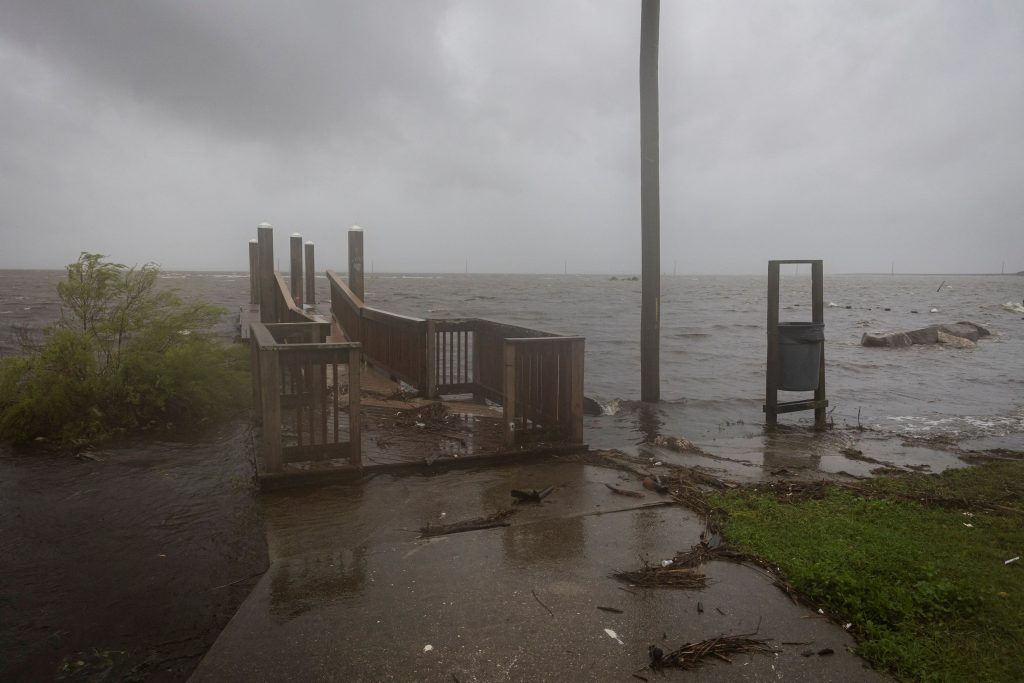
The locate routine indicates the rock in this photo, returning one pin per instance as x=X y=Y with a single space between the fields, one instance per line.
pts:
x=954 y=341
x=592 y=407
x=933 y=334
x=892 y=339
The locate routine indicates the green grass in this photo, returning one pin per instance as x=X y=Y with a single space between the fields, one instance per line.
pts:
x=929 y=597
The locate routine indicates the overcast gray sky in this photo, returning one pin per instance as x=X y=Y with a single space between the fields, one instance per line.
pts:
x=860 y=132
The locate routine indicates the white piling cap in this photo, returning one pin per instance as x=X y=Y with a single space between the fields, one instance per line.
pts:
x=309 y=243
x=295 y=234
x=264 y=224
x=254 y=241
x=355 y=228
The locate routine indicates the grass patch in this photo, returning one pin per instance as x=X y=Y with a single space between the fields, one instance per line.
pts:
x=924 y=585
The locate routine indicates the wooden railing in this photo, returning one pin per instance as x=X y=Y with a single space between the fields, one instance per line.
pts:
x=306 y=393
x=543 y=372
x=543 y=389
x=346 y=307
x=286 y=311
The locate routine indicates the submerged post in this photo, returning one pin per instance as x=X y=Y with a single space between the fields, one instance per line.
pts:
x=310 y=275
x=650 y=205
x=268 y=302
x=254 y=271
x=355 y=261
x=295 y=278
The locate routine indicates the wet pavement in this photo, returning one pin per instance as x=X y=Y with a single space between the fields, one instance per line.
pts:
x=353 y=594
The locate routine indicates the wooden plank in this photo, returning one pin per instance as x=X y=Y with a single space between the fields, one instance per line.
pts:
x=818 y=305
x=354 y=410
x=270 y=380
x=576 y=391
x=771 y=394
x=317 y=452
x=794 y=406
x=509 y=391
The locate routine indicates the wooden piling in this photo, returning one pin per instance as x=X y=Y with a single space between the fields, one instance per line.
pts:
x=650 y=205
x=355 y=262
x=771 y=392
x=267 y=281
x=818 y=316
x=254 y=271
x=295 y=279
x=310 y=275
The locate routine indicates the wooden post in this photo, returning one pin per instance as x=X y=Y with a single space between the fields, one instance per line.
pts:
x=771 y=395
x=270 y=384
x=650 y=205
x=576 y=387
x=310 y=275
x=295 y=277
x=430 y=351
x=508 y=392
x=268 y=302
x=355 y=430
x=355 y=261
x=818 y=316
x=254 y=271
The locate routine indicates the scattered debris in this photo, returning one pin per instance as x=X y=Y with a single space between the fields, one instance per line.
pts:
x=613 y=610
x=495 y=520
x=700 y=607
x=691 y=655
x=825 y=651
x=531 y=496
x=615 y=636
x=1012 y=560
x=663 y=577
x=428 y=648
x=719 y=610
x=624 y=492
x=541 y=603
x=857 y=454
x=654 y=484
x=676 y=443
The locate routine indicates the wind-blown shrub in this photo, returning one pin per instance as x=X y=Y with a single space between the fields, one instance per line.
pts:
x=125 y=356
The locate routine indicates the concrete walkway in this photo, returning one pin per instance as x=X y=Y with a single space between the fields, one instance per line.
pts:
x=353 y=595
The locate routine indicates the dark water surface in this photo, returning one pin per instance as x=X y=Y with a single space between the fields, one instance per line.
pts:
x=132 y=556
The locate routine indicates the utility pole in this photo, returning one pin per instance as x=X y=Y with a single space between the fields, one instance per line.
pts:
x=650 y=206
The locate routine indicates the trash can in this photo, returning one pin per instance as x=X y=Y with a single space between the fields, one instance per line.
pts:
x=800 y=355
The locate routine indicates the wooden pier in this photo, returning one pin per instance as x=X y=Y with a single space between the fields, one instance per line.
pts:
x=350 y=389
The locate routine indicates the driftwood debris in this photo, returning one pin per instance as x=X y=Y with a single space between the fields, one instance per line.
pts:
x=692 y=655
x=650 y=576
x=533 y=496
x=624 y=492
x=491 y=521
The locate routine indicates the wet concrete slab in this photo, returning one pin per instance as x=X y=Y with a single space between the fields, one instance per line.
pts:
x=353 y=594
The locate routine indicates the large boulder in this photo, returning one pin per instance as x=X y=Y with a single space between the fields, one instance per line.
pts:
x=933 y=334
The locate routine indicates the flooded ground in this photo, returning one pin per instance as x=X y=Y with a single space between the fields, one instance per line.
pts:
x=128 y=567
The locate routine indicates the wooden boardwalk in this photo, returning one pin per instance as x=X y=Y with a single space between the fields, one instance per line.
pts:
x=348 y=389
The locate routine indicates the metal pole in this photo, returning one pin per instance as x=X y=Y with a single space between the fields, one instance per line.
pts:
x=254 y=271
x=295 y=277
x=355 y=260
x=310 y=275
x=650 y=206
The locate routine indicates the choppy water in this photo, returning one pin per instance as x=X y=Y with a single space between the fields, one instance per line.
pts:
x=713 y=342
x=159 y=535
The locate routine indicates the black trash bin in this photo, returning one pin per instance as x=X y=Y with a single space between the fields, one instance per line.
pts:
x=800 y=355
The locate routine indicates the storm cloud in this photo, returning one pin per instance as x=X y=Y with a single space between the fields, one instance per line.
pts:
x=507 y=133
